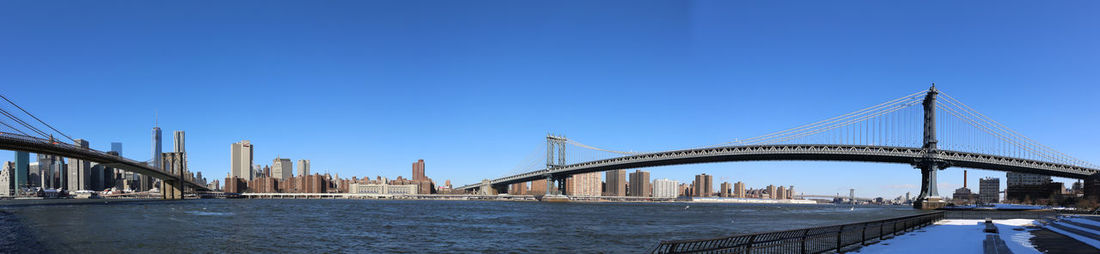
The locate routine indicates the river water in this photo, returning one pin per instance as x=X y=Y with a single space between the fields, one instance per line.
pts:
x=358 y=226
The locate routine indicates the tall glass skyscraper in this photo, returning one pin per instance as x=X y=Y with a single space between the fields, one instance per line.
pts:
x=117 y=147
x=22 y=164
x=156 y=148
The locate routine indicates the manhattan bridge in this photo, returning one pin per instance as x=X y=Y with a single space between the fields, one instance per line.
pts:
x=929 y=130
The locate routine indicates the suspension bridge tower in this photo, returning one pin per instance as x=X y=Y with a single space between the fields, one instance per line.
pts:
x=929 y=197
x=555 y=157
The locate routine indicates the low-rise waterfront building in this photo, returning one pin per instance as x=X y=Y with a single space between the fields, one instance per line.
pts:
x=383 y=189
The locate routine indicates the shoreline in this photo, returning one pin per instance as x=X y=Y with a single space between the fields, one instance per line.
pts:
x=73 y=201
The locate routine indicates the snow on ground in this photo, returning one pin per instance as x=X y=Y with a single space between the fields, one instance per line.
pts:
x=1017 y=206
x=1017 y=241
x=956 y=236
x=1081 y=238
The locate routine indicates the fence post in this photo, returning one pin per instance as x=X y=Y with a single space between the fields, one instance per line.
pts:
x=863 y=236
x=839 y=234
x=804 y=233
x=894 y=228
x=882 y=231
x=752 y=239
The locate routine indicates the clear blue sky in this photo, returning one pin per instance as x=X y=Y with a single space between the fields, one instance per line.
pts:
x=368 y=87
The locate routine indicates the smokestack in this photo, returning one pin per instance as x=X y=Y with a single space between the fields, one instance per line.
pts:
x=964 y=178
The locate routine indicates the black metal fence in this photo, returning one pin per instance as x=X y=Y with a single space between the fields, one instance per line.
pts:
x=809 y=240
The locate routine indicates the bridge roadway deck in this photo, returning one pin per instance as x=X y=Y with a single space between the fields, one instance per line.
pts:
x=856 y=153
x=16 y=142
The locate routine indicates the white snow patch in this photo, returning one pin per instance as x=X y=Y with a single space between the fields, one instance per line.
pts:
x=1017 y=206
x=1019 y=242
x=1015 y=222
x=956 y=236
x=960 y=222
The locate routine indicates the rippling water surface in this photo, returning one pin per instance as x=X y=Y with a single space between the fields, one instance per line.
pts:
x=398 y=226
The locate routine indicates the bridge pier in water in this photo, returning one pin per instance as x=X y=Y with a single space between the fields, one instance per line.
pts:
x=171 y=189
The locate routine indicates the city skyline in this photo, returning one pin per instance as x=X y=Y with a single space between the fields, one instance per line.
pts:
x=475 y=123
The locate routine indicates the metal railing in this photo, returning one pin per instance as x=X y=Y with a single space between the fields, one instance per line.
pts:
x=808 y=240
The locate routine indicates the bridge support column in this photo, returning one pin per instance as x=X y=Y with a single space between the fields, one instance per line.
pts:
x=929 y=197
x=171 y=189
x=555 y=185
x=486 y=188
x=551 y=186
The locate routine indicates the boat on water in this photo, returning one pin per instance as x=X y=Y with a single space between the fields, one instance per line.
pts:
x=52 y=193
x=86 y=194
x=553 y=198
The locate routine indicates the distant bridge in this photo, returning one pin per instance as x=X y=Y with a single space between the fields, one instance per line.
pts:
x=882 y=133
x=832 y=197
x=17 y=134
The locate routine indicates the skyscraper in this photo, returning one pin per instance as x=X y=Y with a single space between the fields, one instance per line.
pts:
x=704 y=185
x=587 y=184
x=241 y=160
x=281 y=168
x=665 y=188
x=771 y=192
x=418 y=171
x=7 y=180
x=303 y=167
x=739 y=190
x=178 y=144
x=115 y=177
x=156 y=148
x=22 y=169
x=51 y=171
x=616 y=183
x=117 y=147
x=639 y=184
x=80 y=175
x=724 y=190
